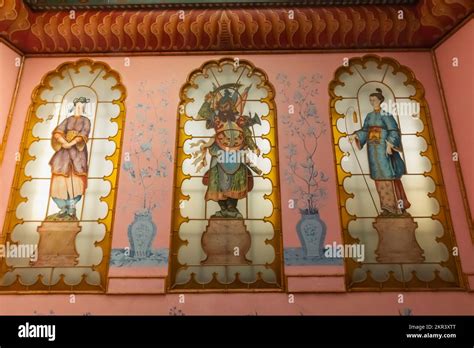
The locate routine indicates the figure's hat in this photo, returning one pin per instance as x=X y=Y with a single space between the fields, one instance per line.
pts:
x=80 y=100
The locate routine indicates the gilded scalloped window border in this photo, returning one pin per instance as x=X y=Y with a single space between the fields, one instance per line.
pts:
x=435 y=173
x=275 y=218
x=20 y=178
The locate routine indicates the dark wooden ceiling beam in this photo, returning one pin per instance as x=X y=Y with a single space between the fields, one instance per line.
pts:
x=48 y=5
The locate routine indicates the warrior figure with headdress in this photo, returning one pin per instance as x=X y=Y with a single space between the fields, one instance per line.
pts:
x=229 y=177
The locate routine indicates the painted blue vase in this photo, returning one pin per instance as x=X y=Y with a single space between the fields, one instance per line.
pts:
x=312 y=233
x=141 y=233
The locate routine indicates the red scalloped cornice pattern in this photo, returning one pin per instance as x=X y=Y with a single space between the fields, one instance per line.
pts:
x=101 y=31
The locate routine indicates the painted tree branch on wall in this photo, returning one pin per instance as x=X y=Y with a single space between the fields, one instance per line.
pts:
x=303 y=122
x=150 y=157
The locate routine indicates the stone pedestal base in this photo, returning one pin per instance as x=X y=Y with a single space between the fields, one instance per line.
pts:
x=220 y=240
x=57 y=244
x=397 y=241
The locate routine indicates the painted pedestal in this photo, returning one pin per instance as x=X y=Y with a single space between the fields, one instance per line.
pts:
x=397 y=241
x=220 y=240
x=57 y=244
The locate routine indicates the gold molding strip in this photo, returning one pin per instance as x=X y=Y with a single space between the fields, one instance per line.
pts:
x=452 y=140
x=11 y=110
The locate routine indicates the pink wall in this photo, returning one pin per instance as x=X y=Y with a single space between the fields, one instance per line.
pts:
x=383 y=303
x=166 y=75
x=458 y=85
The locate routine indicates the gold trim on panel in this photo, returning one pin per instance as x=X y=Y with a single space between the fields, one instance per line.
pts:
x=11 y=220
x=11 y=110
x=444 y=217
x=275 y=218
x=452 y=140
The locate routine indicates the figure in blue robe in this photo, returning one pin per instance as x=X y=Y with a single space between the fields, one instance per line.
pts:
x=381 y=134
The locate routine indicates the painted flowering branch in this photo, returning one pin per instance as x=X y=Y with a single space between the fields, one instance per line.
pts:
x=150 y=155
x=304 y=123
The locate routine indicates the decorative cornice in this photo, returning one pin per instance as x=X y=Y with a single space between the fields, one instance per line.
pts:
x=95 y=31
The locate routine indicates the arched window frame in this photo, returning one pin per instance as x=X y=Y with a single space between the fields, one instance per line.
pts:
x=444 y=217
x=20 y=178
x=177 y=219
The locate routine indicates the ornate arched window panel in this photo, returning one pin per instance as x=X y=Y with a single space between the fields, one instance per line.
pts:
x=393 y=206
x=226 y=219
x=61 y=207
